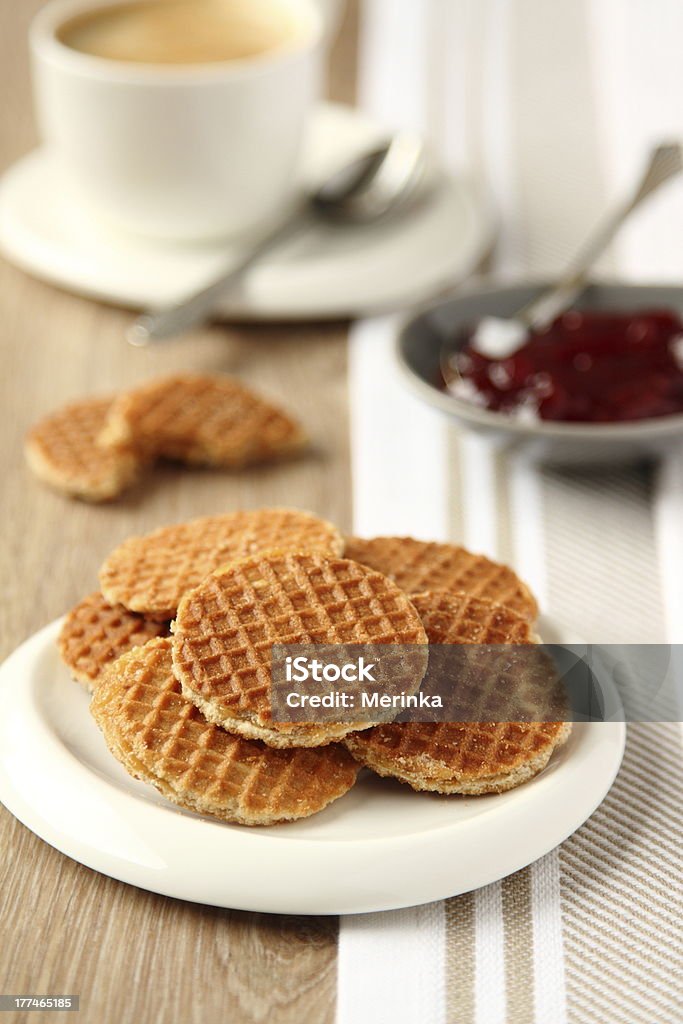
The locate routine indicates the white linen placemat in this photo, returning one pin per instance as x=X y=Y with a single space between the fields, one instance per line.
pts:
x=556 y=103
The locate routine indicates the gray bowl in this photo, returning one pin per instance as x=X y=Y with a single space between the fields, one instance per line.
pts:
x=419 y=352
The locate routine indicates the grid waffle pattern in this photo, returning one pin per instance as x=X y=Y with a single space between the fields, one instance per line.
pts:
x=146 y=720
x=209 y=420
x=485 y=664
x=225 y=629
x=470 y=756
x=417 y=566
x=63 y=451
x=94 y=634
x=452 y=618
x=457 y=753
x=501 y=683
x=150 y=574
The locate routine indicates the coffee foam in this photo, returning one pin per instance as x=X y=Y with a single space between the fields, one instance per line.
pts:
x=185 y=31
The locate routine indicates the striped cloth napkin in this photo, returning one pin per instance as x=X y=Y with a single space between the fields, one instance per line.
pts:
x=555 y=105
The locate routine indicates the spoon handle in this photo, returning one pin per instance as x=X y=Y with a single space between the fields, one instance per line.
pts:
x=665 y=162
x=197 y=308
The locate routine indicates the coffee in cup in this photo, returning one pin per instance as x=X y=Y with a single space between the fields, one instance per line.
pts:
x=183 y=31
x=179 y=119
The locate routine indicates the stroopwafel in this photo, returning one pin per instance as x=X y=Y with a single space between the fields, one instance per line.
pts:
x=201 y=419
x=150 y=574
x=162 y=739
x=471 y=757
x=63 y=451
x=94 y=634
x=417 y=566
x=225 y=630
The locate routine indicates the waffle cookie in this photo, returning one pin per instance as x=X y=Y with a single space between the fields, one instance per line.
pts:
x=150 y=574
x=94 y=634
x=485 y=663
x=203 y=420
x=162 y=739
x=62 y=450
x=225 y=629
x=471 y=758
x=417 y=565
x=458 y=618
x=463 y=757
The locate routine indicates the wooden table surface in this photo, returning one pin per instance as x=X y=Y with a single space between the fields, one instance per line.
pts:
x=132 y=955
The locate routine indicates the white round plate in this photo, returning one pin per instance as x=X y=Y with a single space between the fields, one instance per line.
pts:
x=380 y=847
x=327 y=273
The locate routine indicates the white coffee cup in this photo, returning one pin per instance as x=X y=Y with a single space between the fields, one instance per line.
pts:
x=177 y=151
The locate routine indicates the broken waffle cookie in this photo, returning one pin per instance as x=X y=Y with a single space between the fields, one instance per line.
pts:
x=202 y=419
x=63 y=451
x=94 y=634
x=472 y=757
x=162 y=739
x=150 y=574
x=96 y=448
x=225 y=630
x=417 y=565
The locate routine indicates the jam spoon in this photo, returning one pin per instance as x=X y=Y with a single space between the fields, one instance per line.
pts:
x=499 y=337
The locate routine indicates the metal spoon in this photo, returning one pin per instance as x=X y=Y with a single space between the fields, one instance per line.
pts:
x=500 y=337
x=362 y=192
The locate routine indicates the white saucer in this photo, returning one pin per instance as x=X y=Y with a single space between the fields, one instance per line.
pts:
x=380 y=847
x=326 y=274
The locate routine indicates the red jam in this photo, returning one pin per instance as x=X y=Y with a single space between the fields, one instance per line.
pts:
x=585 y=367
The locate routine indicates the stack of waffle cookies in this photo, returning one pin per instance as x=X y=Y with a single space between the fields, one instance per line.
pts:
x=176 y=648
